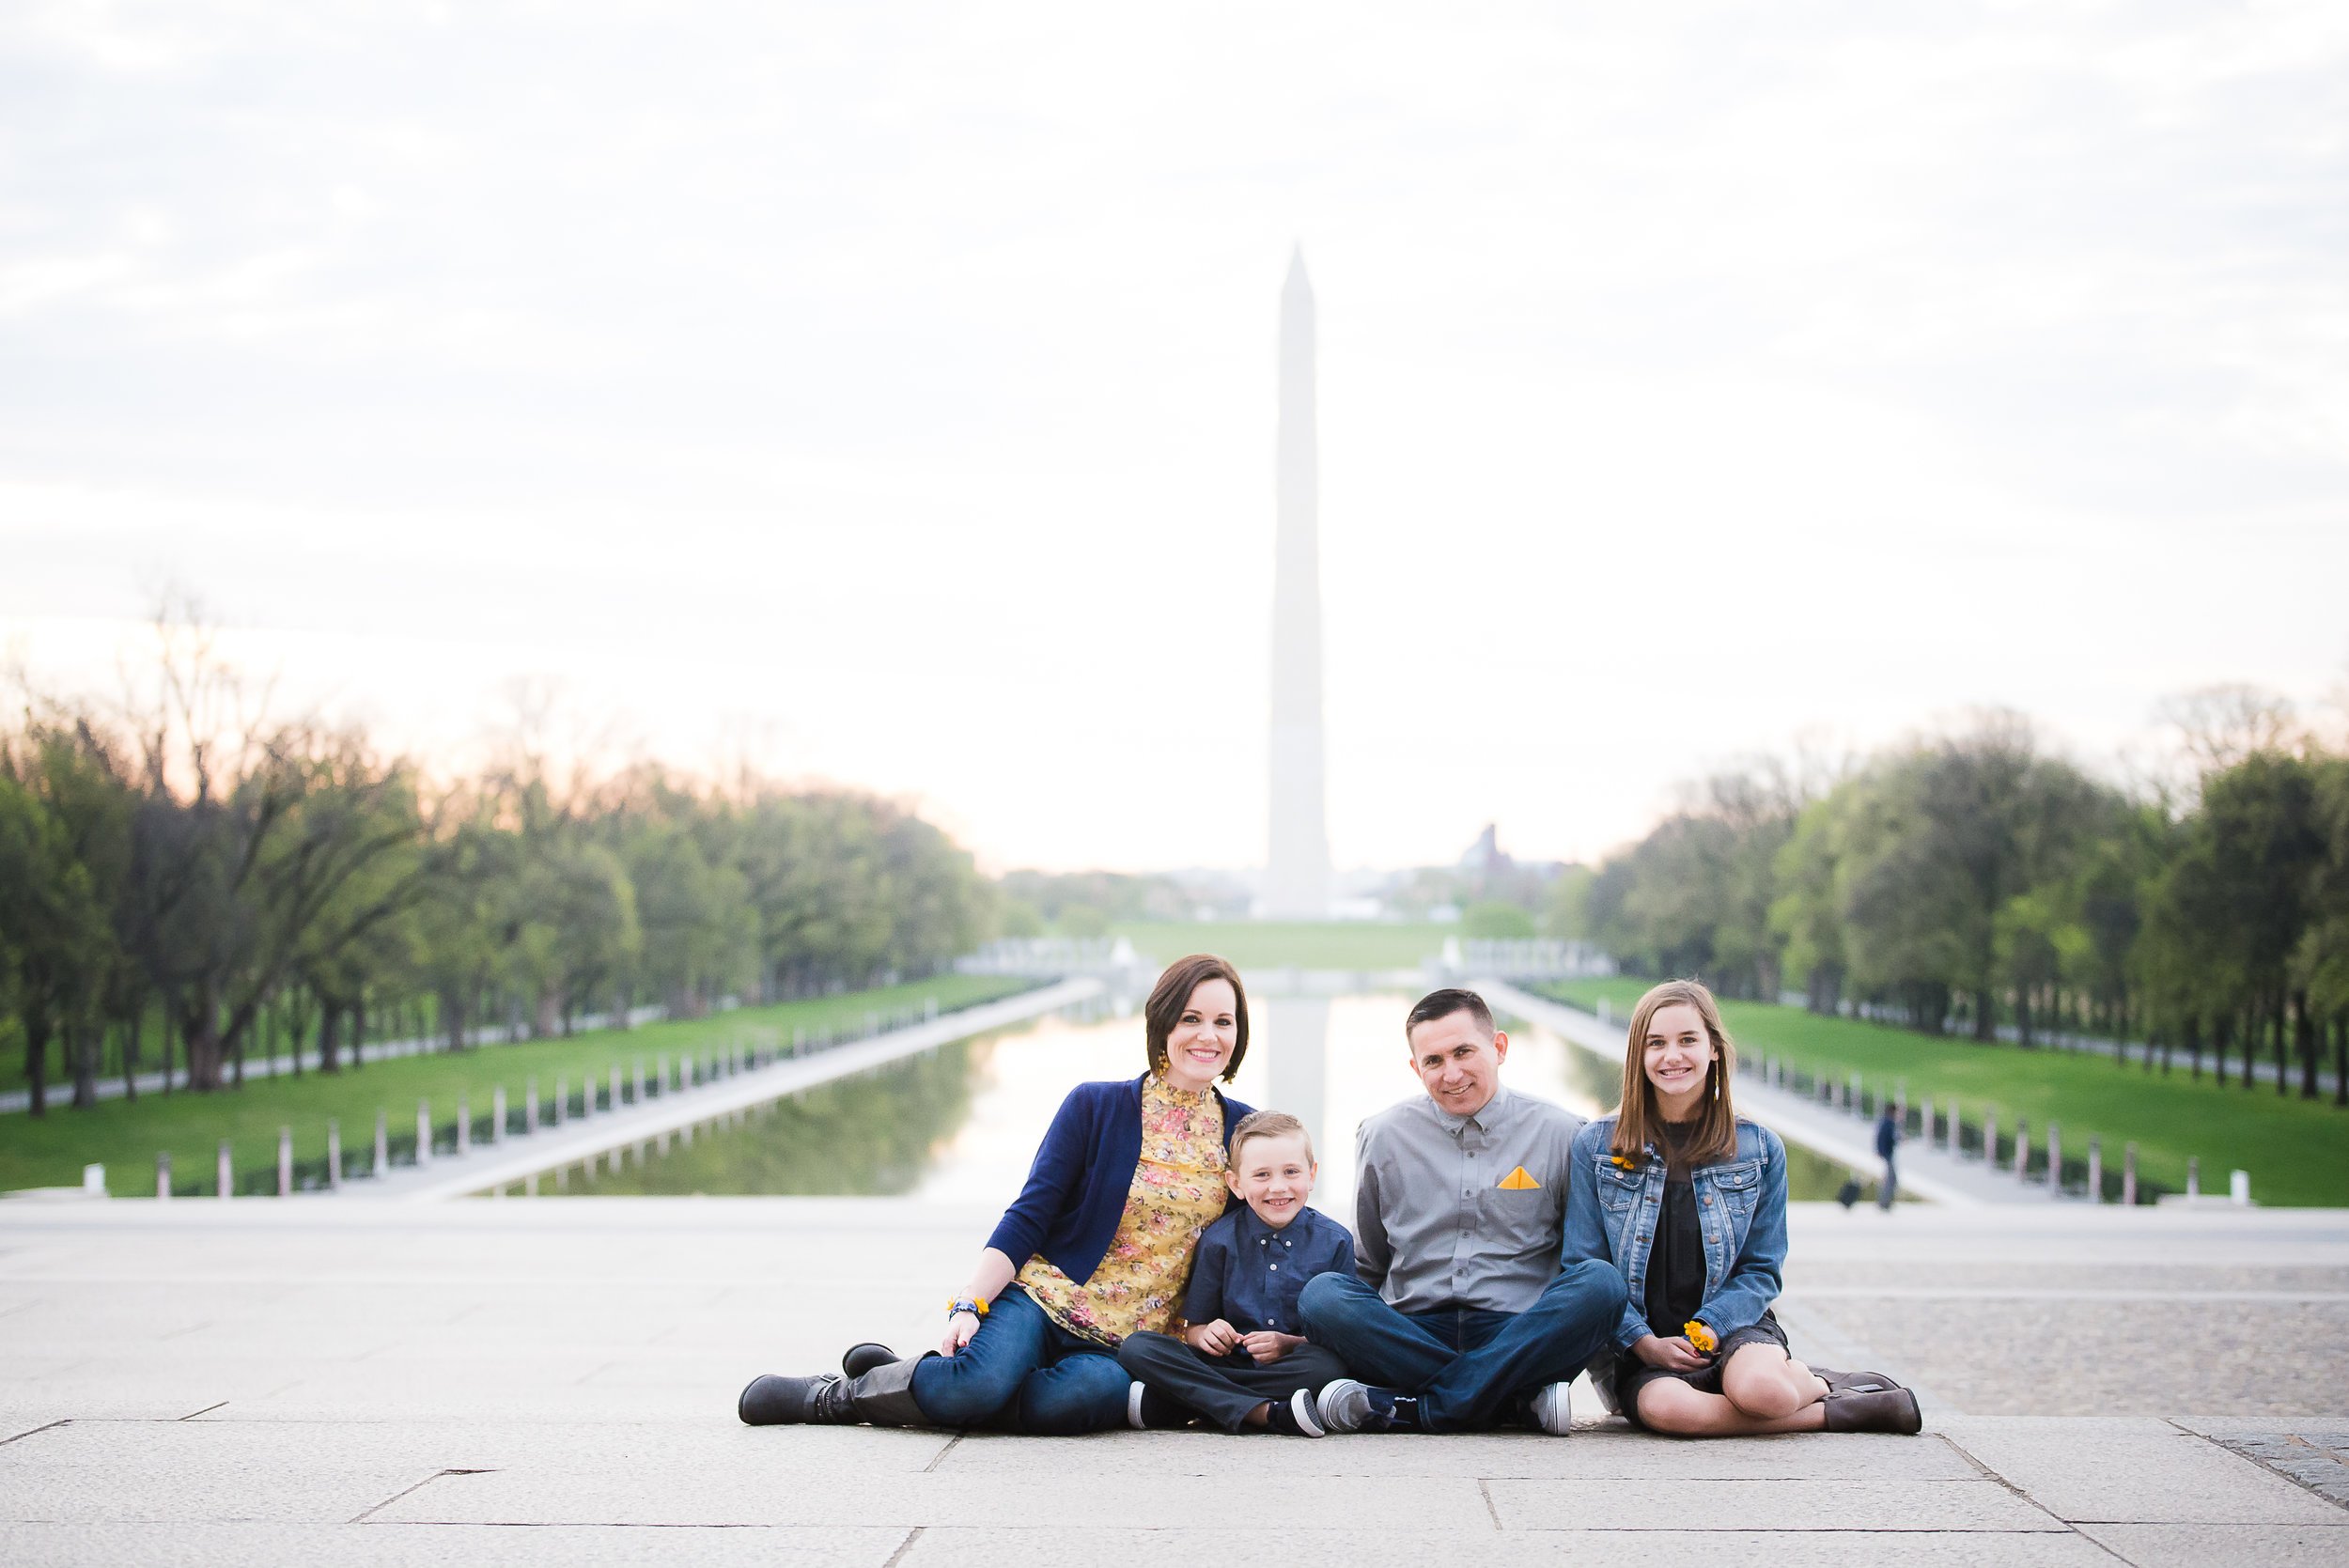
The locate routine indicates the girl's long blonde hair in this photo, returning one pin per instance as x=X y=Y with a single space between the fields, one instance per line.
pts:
x=1636 y=1123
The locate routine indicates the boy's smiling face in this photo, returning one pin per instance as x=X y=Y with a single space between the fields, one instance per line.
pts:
x=1273 y=1175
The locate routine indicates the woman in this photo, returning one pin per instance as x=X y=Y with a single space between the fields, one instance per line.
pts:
x=1689 y=1199
x=1099 y=1246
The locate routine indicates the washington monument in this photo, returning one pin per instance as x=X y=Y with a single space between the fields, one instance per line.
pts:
x=1296 y=862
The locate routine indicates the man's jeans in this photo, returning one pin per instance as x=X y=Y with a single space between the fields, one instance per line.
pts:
x=1021 y=1372
x=1466 y=1365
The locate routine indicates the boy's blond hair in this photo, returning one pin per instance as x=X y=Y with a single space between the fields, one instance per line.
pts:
x=1270 y=1123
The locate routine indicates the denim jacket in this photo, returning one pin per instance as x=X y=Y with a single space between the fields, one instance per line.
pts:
x=1612 y=1213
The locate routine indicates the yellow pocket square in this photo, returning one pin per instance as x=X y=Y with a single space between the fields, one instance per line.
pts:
x=1518 y=1181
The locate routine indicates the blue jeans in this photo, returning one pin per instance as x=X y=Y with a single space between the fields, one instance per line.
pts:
x=1466 y=1365
x=1021 y=1372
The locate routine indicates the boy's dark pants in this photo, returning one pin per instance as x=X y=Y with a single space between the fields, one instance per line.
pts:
x=1224 y=1388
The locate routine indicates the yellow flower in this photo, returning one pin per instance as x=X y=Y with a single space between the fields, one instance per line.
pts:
x=1700 y=1336
x=1623 y=1162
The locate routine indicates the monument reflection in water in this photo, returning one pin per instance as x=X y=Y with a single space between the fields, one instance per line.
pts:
x=961 y=1123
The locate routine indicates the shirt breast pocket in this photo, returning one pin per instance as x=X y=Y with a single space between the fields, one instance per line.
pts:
x=1739 y=1186
x=1519 y=1218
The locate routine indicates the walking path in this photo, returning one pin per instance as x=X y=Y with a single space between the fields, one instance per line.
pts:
x=1930 y=1172
x=548 y=1382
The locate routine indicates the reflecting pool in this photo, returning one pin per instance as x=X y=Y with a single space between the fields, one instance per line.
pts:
x=961 y=1123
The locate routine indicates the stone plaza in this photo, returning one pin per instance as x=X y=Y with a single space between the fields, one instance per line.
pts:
x=554 y=1381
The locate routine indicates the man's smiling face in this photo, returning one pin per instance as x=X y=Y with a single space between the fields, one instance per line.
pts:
x=1458 y=1062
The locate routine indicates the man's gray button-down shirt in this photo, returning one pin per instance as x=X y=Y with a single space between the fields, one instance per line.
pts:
x=1462 y=1211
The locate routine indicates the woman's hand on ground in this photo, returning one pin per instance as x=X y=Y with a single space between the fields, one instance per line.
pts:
x=959 y=1328
x=1672 y=1355
x=1267 y=1345
x=1216 y=1339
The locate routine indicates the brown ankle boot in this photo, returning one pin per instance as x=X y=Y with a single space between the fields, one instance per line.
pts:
x=1877 y=1410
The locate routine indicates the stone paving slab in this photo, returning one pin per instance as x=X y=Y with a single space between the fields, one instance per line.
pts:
x=2312 y=1452
x=1819 y=1501
x=661 y=1493
x=585 y=1357
x=374 y=1545
x=1599 y=1453
x=1044 y=1547
x=2205 y=1546
x=2148 y=1471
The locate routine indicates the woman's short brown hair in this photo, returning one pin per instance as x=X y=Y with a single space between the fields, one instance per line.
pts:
x=1172 y=994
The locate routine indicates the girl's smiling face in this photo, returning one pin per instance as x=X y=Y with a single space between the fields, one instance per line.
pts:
x=1676 y=1055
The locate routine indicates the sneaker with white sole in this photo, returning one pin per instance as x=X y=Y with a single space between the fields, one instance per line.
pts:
x=1149 y=1410
x=1347 y=1406
x=1298 y=1416
x=1553 y=1410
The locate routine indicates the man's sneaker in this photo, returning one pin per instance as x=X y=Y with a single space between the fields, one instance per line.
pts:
x=1347 y=1405
x=1553 y=1410
x=1298 y=1416
x=1149 y=1410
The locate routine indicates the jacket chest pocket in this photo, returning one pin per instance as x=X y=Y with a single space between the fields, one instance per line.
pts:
x=1737 y=1187
x=1618 y=1189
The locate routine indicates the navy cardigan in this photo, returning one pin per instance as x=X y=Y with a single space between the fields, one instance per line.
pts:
x=1083 y=1171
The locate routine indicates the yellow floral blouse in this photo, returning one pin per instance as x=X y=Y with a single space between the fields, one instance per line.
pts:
x=1178 y=1191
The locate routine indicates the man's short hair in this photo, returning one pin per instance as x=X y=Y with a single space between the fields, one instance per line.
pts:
x=1269 y=1123
x=1443 y=1003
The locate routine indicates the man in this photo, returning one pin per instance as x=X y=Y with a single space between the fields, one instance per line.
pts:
x=1888 y=1139
x=1460 y=1314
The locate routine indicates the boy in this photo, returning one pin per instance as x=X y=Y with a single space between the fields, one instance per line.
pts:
x=1243 y=1362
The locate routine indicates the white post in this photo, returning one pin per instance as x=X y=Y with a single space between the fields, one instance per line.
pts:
x=2193 y=1176
x=224 y=1173
x=464 y=1123
x=562 y=1100
x=616 y=1086
x=2022 y=1146
x=334 y=1155
x=1924 y=1127
x=93 y=1181
x=424 y=1133
x=382 y=1145
x=640 y=1080
x=2128 y=1174
x=162 y=1175
x=1955 y=1121
x=530 y=1104
x=2095 y=1170
x=2239 y=1189
x=285 y=1162
x=1990 y=1138
x=2054 y=1160
x=497 y=1114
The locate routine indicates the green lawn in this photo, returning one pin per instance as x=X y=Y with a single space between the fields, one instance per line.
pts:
x=125 y=1136
x=1335 y=944
x=2296 y=1151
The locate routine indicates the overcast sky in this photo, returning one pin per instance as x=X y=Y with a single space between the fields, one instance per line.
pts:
x=889 y=389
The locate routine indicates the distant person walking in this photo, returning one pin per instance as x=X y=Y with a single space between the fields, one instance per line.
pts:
x=1097 y=1246
x=1888 y=1139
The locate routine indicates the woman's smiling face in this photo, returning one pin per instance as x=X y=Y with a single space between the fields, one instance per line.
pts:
x=1676 y=1053
x=1203 y=1038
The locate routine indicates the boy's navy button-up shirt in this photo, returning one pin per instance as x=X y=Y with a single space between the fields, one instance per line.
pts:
x=1249 y=1274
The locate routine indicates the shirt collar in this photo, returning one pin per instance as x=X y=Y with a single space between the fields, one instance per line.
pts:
x=1482 y=1121
x=1253 y=1227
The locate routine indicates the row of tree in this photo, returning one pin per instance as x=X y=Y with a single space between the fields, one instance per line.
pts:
x=178 y=872
x=1977 y=880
